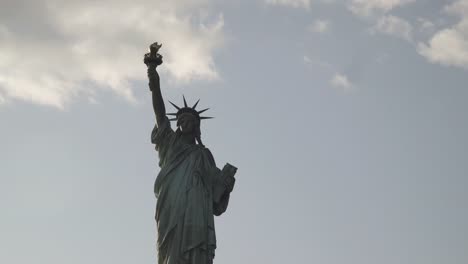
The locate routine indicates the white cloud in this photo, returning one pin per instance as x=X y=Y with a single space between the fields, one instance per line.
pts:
x=317 y=63
x=425 y=25
x=52 y=51
x=449 y=46
x=290 y=3
x=394 y=26
x=367 y=8
x=377 y=11
x=341 y=81
x=320 y=26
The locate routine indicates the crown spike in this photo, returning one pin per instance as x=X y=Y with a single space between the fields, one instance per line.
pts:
x=195 y=105
x=199 y=112
x=206 y=117
x=185 y=102
x=178 y=108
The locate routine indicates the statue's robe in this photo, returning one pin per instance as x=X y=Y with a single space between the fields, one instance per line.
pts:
x=186 y=190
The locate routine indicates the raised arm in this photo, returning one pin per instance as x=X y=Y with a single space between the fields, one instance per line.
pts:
x=158 y=102
x=152 y=60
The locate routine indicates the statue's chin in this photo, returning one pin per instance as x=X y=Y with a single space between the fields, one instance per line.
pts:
x=186 y=132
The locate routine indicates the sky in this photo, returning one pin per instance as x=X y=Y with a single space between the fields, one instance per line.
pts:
x=346 y=120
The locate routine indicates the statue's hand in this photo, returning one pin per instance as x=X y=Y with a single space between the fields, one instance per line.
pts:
x=153 y=60
x=229 y=171
x=229 y=182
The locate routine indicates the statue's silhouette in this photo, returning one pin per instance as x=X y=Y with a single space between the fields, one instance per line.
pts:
x=190 y=189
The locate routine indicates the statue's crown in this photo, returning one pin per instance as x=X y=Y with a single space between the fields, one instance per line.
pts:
x=187 y=109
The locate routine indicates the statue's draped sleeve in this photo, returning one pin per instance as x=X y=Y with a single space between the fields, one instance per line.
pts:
x=163 y=137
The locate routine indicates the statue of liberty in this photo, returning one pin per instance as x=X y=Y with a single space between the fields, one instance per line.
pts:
x=190 y=189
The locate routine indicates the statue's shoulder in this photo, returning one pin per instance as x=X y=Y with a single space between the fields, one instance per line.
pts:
x=206 y=153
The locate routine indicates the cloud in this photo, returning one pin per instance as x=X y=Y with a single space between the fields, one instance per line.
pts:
x=54 y=51
x=394 y=26
x=368 y=8
x=290 y=3
x=449 y=46
x=320 y=26
x=341 y=81
x=425 y=25
x=317 y=63
x=376 y=11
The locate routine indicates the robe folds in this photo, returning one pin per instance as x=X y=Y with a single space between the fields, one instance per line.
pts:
x=186 y=205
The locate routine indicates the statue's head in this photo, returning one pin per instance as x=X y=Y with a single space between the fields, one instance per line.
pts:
x=188 y=123
x=188 y=119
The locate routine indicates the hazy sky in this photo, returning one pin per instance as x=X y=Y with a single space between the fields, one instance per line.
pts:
x=347 y=121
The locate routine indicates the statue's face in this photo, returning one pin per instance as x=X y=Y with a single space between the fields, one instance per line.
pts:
x=187 y=123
